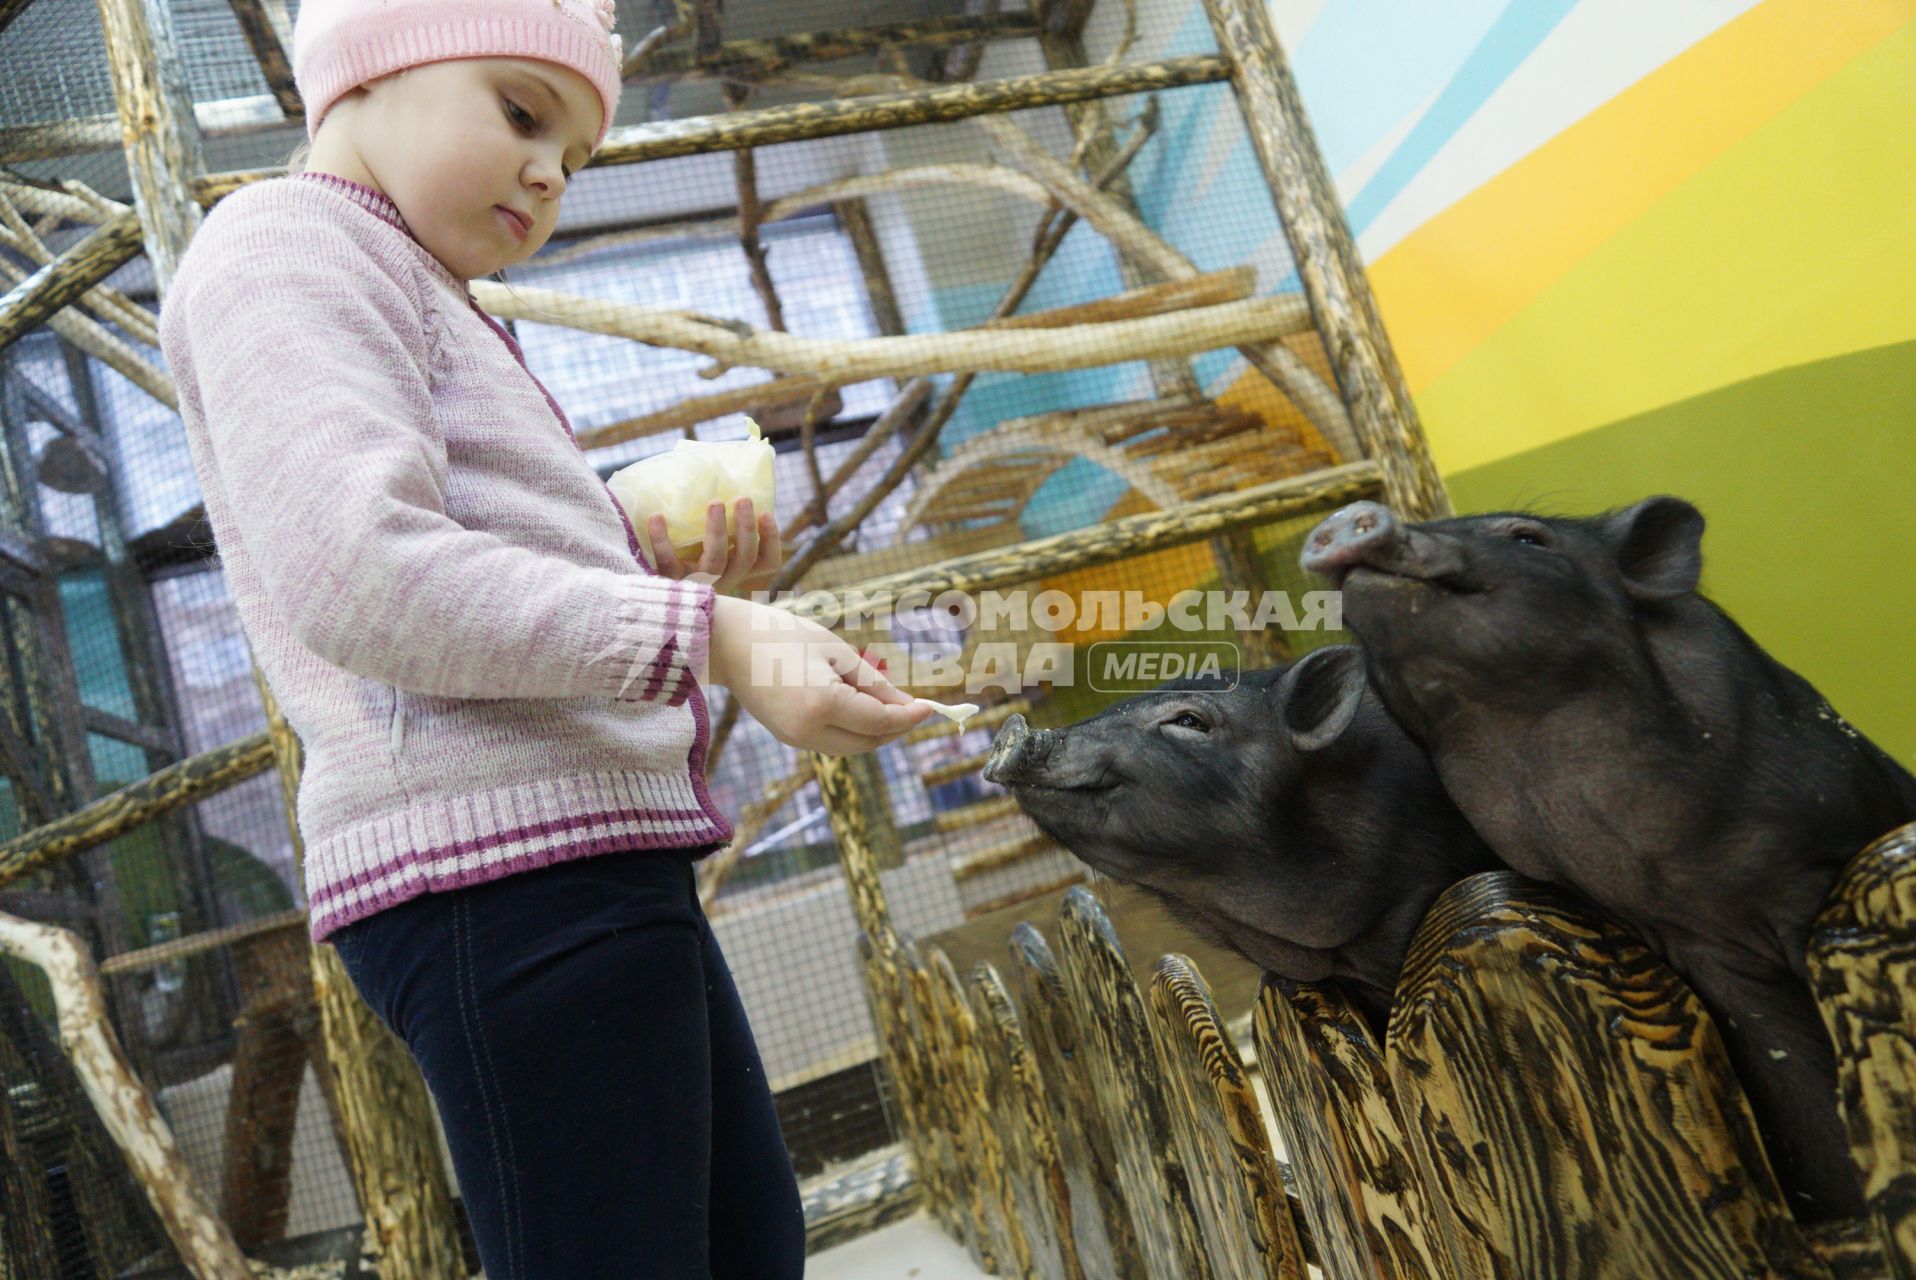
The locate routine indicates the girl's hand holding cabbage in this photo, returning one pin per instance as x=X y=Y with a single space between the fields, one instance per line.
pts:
x=706 y=509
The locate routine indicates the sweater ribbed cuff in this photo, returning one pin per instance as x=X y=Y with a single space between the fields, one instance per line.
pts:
x=662 y=635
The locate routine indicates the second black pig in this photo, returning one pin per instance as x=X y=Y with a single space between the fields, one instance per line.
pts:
x=1605 y=726
x=1287 y=818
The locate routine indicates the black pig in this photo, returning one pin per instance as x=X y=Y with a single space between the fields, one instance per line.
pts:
x=1287 y=818
x=1603 y=725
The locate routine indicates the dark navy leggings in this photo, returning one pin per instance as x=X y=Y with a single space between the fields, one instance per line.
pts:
x=603 y=1099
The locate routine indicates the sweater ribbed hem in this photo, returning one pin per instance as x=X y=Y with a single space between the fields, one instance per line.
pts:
x=451 y=842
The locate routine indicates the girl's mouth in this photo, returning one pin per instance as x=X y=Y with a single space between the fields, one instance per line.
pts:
x=512 y=220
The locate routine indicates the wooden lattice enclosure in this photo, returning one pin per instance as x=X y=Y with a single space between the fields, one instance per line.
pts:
x=1101 y=1168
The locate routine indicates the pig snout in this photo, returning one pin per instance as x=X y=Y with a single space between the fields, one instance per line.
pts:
x=1349 y=537
x=1018 y=753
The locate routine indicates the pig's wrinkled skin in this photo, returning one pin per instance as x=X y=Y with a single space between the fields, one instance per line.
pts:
x=1288 y=819
x=1604 y=726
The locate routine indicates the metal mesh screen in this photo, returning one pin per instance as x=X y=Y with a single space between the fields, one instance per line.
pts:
x=125 y=654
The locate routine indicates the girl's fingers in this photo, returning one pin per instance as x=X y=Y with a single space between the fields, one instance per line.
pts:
x=832 y=741
x=712 y=559
x=873 y=683
x=738 y=563
x=860 y=714
x=664 y=558
x=771 y=549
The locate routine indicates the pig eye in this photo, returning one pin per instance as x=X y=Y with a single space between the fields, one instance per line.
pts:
x=1529 y=536
x=1189 y=720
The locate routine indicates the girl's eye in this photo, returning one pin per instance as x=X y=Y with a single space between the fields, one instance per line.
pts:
x=520 y=116
x=1189 y=720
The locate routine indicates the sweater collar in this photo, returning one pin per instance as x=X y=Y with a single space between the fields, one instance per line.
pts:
x=381 y=206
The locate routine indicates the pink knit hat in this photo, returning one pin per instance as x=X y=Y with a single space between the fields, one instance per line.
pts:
x=339 y=45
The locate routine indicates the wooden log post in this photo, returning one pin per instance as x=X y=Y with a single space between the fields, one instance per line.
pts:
x=1327 y=259
x=34 y=300
x=751 y=59
x=1863 y=964
x=845 y=811
x=397 y=1170
x=1186 y=331
x=799 y=121
x=1220 y=1131
x=890 y=997
x=122 y=1101
x=941 y=1126
x=1129 y=1080
x=1025 y=1131
x=1100 y=1219
x=988 y=1187
x=118 y=812
x=157 y=127
x=1334 y=1108
x=1061 y=42
x=968 y=1223
x=1240 y=568
x=1570 y=1103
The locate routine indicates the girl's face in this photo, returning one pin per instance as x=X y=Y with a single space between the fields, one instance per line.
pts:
x=460 y=146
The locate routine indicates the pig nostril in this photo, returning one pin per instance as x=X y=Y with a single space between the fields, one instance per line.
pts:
x=1364 y=524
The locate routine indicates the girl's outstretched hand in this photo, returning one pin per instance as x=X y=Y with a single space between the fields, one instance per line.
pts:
x=728 y=565
x=806 y=685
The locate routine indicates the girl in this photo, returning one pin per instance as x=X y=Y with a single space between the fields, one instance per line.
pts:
x=499 y=698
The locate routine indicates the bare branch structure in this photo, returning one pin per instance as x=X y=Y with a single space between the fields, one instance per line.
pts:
x=1169 y=310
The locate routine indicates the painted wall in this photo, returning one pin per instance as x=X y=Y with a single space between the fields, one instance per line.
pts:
x=1626 y=247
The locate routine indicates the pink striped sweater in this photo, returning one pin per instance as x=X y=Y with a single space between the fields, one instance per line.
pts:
x=448 y=602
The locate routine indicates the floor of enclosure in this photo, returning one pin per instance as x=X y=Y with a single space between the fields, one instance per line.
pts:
x=913 y=1248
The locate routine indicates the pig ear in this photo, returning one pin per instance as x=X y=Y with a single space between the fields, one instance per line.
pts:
x=1318 y=697
x=1659 y=546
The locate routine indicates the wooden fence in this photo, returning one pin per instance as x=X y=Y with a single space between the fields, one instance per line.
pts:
x=1551 y=1102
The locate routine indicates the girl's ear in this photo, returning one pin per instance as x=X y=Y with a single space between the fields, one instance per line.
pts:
x=1318 y=697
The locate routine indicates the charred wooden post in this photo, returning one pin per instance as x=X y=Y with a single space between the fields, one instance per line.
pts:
x=838 y=790
x=1129 y=1079
x=936 y=1101
x=969 y=1223
x=9 y=10
x=1337 y=1114
x=111 y=816
x=1327 y=259
x=799 y=121
x=263 y=37
x=122 y=1101
x=1122 y=538
x=48 y=687
x=1025 y=1131
x=1061 y=41
x=161 y=137
x=276 y=1028
x=1543 y=1057
x=989 y=1190
x=856 y=220
x=137 y=623
x=387 y=1113
x=754 y=59
x=1240 y=568
x=1220 y=1128
x=848 y=1203
x=900 y=1051
x=33 y=301
x=1863 y=964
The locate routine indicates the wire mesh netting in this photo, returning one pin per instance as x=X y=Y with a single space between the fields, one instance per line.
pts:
x=125 y=655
